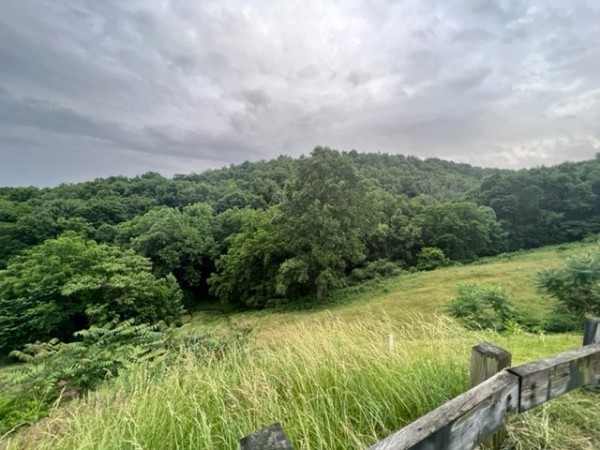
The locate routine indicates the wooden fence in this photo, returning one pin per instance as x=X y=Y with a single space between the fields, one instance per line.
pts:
x=479 y=415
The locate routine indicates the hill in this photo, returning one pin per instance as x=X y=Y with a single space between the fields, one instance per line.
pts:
x=304 y=227
x=330 y=375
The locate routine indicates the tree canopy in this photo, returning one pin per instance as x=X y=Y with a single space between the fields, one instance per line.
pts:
x=68 y=283
x=325 y=218
x=268 y=232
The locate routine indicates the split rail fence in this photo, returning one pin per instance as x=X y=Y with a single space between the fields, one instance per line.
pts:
x=479 y=415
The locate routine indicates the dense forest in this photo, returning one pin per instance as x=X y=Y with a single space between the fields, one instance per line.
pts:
x=265 y=233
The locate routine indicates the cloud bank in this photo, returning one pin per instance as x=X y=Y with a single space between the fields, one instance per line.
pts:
x=90 y=88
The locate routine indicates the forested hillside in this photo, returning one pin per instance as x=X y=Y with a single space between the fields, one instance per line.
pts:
x=265 y=233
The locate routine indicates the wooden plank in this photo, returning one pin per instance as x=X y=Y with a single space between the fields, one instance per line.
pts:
x=487 y=360
x=269 y=438
x=463 y=422
x=551 y=377
x=591 y=331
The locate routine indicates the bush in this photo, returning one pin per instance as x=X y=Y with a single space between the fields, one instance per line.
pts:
x=430 y=258
x=21 y=408
x=592 y=238
x=576 y=285
x=562 y=321
x=77 y=367
x=486 y=307
x=381 y=268
x=55 y=370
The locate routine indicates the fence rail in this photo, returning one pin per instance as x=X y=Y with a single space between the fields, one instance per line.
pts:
x=480 y=414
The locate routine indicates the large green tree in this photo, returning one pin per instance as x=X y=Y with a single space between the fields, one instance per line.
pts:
x=325 y=218
x=69 y=283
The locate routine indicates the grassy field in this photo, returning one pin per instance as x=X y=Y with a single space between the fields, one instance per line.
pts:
x=416 y=293
x=329 y=375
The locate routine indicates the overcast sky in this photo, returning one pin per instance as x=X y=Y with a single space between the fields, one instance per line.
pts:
x=106 y=87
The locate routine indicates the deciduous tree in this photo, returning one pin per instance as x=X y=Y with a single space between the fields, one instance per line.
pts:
x=69 y=283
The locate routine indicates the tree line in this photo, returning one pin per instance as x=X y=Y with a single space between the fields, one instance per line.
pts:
x=264 y=233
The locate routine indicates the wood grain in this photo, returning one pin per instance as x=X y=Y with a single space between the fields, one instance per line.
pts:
x=463 y=422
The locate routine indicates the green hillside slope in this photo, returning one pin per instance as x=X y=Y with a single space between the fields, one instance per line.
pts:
x=332 y=377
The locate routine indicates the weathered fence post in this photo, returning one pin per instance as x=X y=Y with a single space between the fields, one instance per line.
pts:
x=591 y=331
x=269 y=438
x=486 y=361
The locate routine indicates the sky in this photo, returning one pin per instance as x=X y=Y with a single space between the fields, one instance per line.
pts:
x=97 y=88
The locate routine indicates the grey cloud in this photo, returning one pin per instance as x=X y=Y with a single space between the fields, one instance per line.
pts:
x=469 y=80
x=176 y=85
x=256 y=97
x=472 y=35
x=24 y=61
x=357 y=77
x=49 y=116
x=422 y=65
x=308 y=72
x=220 y=147
x=506 y=11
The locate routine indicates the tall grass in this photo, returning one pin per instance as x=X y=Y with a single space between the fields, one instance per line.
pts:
x=332 y=379
x=333 y=384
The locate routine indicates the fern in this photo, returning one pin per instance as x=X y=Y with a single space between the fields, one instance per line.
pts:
x=101 y=353
x=55 y=370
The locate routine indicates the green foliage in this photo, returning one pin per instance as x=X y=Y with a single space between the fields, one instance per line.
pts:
x=381 y=268
x=193 y=404
x=562 y=320
x=21 y=408
x=482 y=307
x=306 y=244
x=461 y=229
x=334 y=213
x=576 y=285
x=545 y=205
x=55 y=370
x=430 y=258
x=325 y=218
x=334 y=363
x=246 y=273
x=177 y=241
x=99 y=353
x=335 y=383
x=395 y=237
x=69 y=283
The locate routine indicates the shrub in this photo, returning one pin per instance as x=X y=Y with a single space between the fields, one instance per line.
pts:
x=430 y=258
x=562 y=321
x=21 y=408
x=477 y=307
x=576 y=285
x=380 y=268
x=79 y=366
x=55 y=370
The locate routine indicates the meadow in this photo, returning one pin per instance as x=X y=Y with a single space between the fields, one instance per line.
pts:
x=332 y=376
